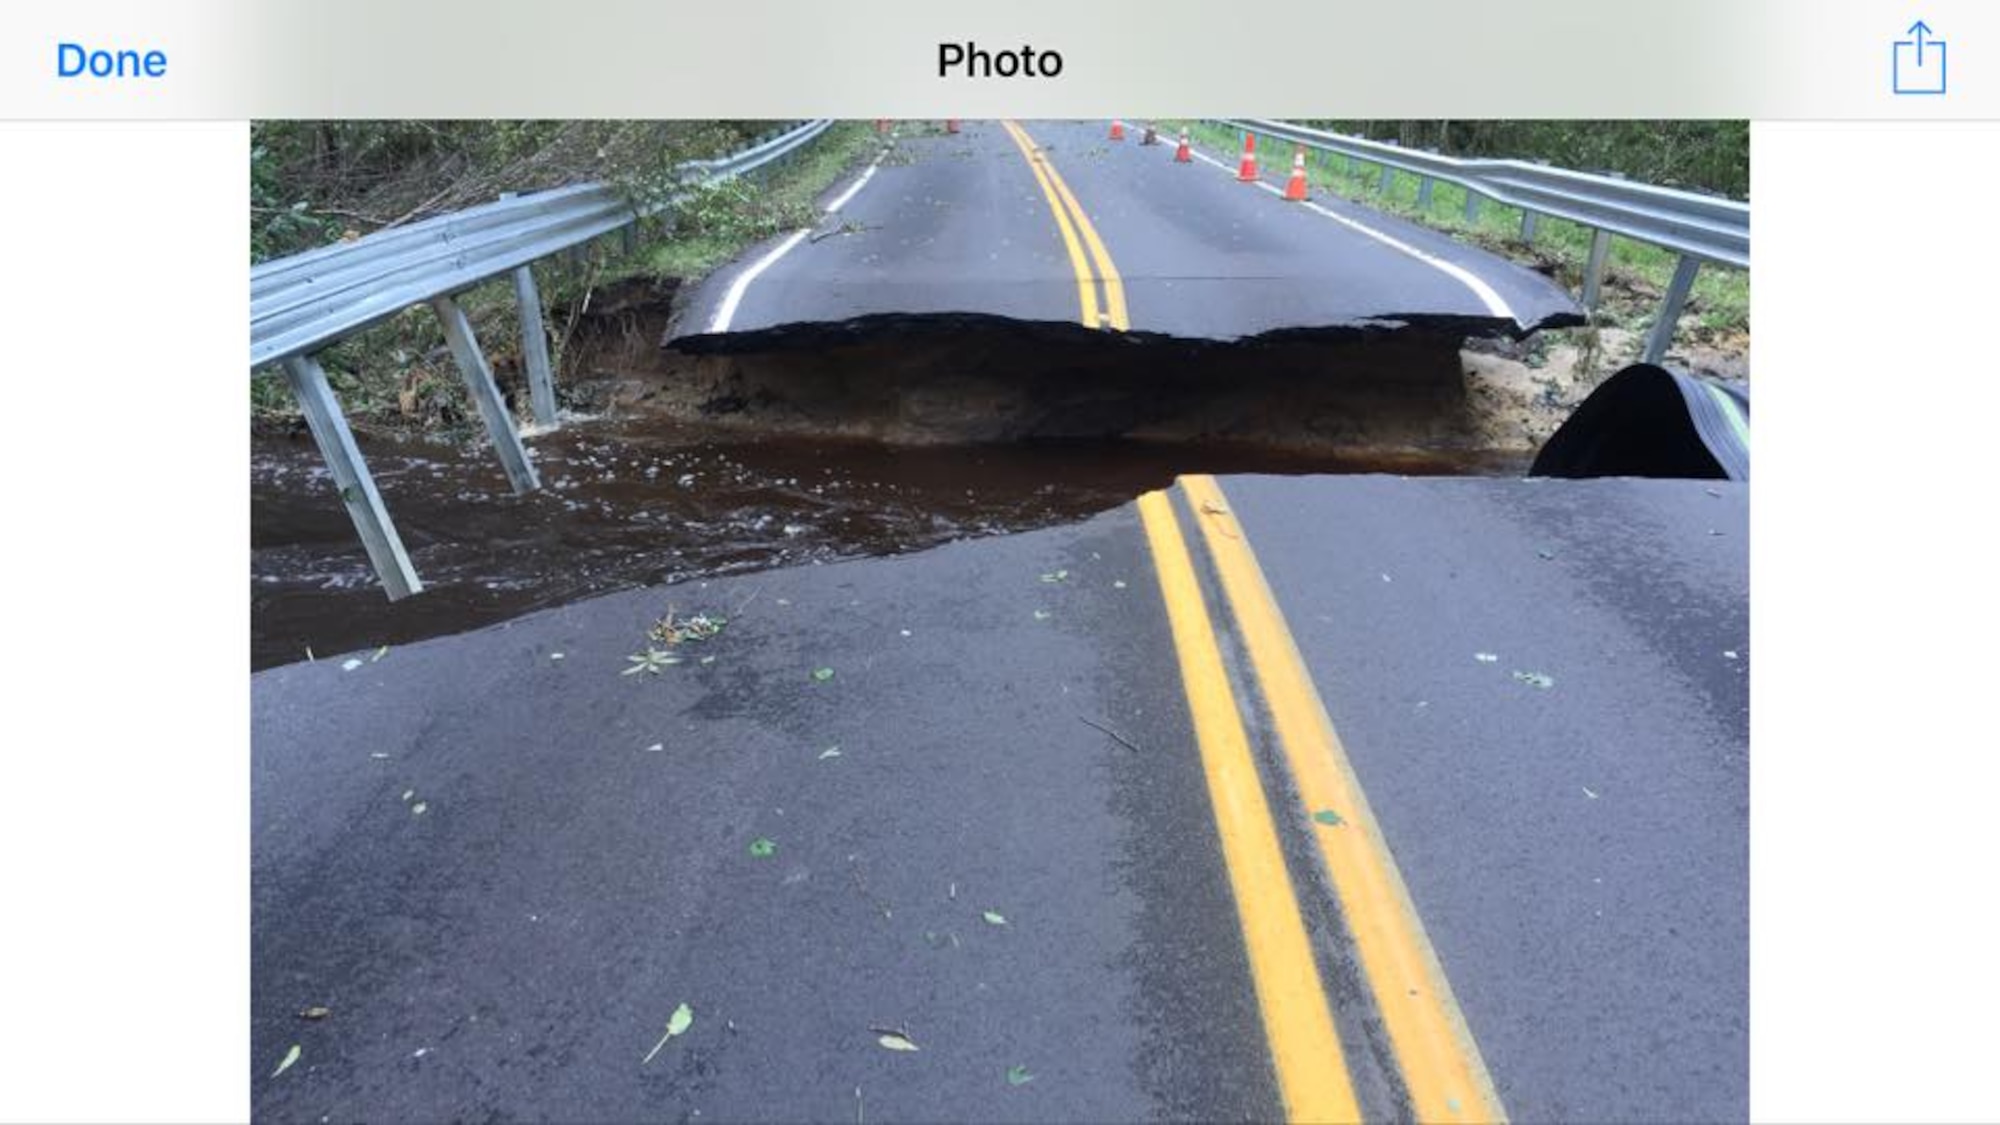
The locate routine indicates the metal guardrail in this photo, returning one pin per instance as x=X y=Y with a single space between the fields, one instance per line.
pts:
x=1700 y=228
x=302 y=303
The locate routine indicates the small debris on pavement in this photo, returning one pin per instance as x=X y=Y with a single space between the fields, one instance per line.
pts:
x=285 y=1063
x=893 y=1038
x=1486 y=657
x=350 y=664
x=316 y=1012
x=763 y=848
x=1588 y=792
x=822 y=675
x=1019 y=1076
x=1536 y=679
x=671 y=630
x=829 y=752
x=1329 y=817
x=677 y=1024
x=994 y=918
x=651 y=660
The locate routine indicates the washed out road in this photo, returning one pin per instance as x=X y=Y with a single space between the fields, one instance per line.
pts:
x=1259 y=797
x=1053 y=223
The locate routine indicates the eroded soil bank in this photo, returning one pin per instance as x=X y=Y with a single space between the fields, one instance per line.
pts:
x=1373 y=392
x=672 y=467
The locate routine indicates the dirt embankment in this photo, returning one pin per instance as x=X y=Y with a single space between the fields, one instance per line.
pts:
x=1383 y=393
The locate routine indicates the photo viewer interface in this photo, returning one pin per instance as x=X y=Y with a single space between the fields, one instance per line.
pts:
x=1048 y=562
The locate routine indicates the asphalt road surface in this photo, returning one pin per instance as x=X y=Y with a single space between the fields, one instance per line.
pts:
x=1052 y=223
x=1263 y=797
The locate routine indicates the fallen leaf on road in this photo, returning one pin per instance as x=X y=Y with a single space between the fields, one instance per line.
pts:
x=316 y=1012
x=822 y=675
x=894 y=1040
x=829 y=752
x=1118 y=584
x=1041 y=615
x=285 y=1064
x=994 y=918
x=555 y=656
x=678 y=1023
x=379 y=654
x=1536 y=679
x=1328 y=816
x=409 y=793
x=656 y=747
x=1486 y=657
x=1019 y=1076
x=763 y=848
x=1587 y=792
x=350 y=664
x=1056 y=576
x=418 y=809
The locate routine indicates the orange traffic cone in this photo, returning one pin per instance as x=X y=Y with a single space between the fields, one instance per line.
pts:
x=1184 y=154
x=1117 y=130
x=1247 y=171
x=951 y=125
x=1295 y=188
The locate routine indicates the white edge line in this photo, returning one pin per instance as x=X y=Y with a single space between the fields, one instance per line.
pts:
x=726 y=311
x=1495 y=304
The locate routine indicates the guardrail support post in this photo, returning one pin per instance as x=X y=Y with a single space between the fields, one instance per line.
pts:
x=1530 y=220
x=1593 y=271
x=1471 y=207
x=535 y=347
x=1388 y=177
x=1424 y=187
x=479 y=381
x=351 y=478
x=534 y=344
x=1662 y=334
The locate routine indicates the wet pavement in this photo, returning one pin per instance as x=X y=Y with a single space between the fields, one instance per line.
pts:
x=501 y=862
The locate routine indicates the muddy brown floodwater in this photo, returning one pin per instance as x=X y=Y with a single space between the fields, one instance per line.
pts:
x=631 y=503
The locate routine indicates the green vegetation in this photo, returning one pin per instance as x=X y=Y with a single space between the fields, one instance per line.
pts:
x=313 y=183
x=1636 y=273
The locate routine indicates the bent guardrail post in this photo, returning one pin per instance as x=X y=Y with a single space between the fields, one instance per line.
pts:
x=535 y=347
x=1593 y=271
x=351 y=478
x=1662 y=334
x=486 y=393
x=534 y=343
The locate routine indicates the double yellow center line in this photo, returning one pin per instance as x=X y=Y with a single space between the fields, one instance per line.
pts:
x=1442 y=1071
x=1078 y=235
